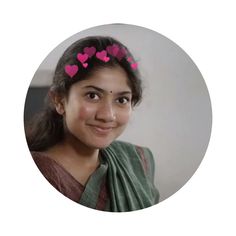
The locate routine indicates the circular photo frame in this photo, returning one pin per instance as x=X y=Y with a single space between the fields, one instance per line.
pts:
x=118 y=118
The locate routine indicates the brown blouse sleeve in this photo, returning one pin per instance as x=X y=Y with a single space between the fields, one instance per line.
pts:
x=58 y=176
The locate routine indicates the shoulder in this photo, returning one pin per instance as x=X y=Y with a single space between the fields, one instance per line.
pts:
x=138 y=161
x=47 y=166
x=41 y=159
x=135 y=153
x=125 y=147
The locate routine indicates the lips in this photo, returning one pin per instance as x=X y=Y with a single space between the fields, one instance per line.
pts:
x=102 y=130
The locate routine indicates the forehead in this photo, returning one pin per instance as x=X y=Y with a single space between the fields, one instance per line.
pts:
x=114 y=78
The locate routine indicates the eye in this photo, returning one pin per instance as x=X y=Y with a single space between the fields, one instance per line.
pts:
x=92 y=96
x=123 y=100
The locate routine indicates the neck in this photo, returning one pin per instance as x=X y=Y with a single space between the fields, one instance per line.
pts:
x=74 y=146
x=74 y=151
x=79 y=150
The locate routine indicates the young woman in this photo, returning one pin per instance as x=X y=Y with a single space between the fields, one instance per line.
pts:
x=95 y=87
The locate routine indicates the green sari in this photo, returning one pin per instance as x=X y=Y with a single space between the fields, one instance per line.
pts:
x=130 y=174
x=122 y=182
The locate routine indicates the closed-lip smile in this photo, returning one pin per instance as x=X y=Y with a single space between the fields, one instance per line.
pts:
x=101 y=129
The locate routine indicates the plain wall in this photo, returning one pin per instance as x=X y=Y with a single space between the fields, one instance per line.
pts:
x=174 y=120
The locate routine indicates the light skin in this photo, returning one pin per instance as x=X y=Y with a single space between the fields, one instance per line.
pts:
x=95 y=113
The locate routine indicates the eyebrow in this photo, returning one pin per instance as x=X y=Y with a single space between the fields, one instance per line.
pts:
x=104 y=91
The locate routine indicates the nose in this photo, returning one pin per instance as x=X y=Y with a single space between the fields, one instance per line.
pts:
x=106 y=112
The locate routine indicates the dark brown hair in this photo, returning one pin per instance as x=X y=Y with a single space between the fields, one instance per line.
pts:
x=46 y=128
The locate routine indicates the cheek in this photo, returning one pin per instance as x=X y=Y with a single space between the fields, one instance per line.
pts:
x=124 y=117
x=86 y=113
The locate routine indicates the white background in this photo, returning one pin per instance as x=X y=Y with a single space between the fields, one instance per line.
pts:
x=205 y=30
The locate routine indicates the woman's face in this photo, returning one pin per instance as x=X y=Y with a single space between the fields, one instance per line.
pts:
x=98 y=109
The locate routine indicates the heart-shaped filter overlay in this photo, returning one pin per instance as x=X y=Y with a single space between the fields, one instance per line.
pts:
x=90 y=51
x=82 y=57
x=71 y=70
x=113 y=49
x=102 y=56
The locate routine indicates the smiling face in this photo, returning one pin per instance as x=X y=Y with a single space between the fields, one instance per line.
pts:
x=98 y=108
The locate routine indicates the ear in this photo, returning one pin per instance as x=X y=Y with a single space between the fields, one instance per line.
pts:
x=58 y=102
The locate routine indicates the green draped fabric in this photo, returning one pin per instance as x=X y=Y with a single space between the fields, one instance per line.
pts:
x=122 y=182
x=130 y=186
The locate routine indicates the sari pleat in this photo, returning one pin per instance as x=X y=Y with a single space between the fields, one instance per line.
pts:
x=129 y=187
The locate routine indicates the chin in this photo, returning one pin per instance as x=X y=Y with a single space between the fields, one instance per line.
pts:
x=99 y=144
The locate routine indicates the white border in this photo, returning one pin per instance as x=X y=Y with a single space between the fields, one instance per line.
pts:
x=204 y=29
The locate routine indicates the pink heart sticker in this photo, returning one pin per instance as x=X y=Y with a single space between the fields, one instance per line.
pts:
x=129 y=59
x=102 y=56
x=106 y=59
x=134 y=66
x=90 y=51
x=113 y=49
x=71 y=70
x=85 y=65
x=82 y=57
x=122 y=52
